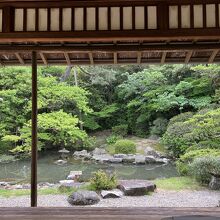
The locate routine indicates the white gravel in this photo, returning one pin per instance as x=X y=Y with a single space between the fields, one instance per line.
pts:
x=160 y=198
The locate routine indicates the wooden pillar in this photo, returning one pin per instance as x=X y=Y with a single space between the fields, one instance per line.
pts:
x=34 y=132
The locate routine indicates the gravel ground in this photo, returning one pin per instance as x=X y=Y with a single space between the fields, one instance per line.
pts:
x=161 y=198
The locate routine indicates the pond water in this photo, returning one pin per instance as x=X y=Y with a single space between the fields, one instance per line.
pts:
x=50 y=172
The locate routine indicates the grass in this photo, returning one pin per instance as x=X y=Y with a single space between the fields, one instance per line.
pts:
x=47 y=191
x=177 y=184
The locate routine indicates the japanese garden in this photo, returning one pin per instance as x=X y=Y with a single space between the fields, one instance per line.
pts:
x=107 y=127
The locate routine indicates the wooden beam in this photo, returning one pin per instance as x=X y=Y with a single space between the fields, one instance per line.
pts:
x=91 y=58
x=115 y=57
x=21 y=60
x=188 y=56
x=67 y=57
x=213 y=55
x=34 y=132
x=139 y=55
x=163 y=58
x=73 y=48
x=106 y=36
x=43 y=57
x=119 y=213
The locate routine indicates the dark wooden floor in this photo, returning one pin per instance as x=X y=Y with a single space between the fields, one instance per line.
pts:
x=109 y=213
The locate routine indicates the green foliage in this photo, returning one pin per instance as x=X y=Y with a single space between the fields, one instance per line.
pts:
x=89 y=143
x=125 y=147
x=186 y=159
x=112 y=139
x=159 y=126
x=203 y=168
x=103 y=181
x=142 y=97
x=193 y=132
x=54 y=129
x=120 y=130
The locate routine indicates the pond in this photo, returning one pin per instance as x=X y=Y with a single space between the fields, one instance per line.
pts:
x=50 y=172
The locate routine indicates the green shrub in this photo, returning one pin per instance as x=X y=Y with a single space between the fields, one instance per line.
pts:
x=103 y=181
x=203 y=168
x=125 y=147
x=112 y=139
x=196 y=131
x=184 y=161
x=89 y=143
x=159 y=126
x=120 y=130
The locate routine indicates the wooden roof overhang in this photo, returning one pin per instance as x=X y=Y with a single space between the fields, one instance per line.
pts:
x=109 y=31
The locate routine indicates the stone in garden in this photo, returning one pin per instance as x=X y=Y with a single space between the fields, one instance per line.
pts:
x=60 y=162
x=130 y=158
x=115 y=193
x=115 y=160
x=82 y=154
x=150 y=151
x=150 y=159
x=4 y=184
x=67 y=183
x=99 y=151
x=120 y=155
x=83 y=198
x=74 y=175
x=161 y=160
x=140 y=159
x=215 y=183
x=136 y=187
x=102 y=158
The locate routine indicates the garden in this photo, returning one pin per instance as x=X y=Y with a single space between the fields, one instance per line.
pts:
x=107 y=132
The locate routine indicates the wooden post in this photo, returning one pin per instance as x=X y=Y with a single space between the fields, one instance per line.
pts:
x=34 y=132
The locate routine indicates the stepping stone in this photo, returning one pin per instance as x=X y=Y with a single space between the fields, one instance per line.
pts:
x=136 y=187
x=115 y=193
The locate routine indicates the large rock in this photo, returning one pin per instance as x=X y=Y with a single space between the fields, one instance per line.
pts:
x=150 y=151
x=130 y=158
x=136 y=187
x=115 y=193
x=83 y=198
x=115 y=160
x=150 y=159
x=140 y=159
x=99 y=151
x=120 y=155
x=215 y=183
x=82 y=154
x=104 y=158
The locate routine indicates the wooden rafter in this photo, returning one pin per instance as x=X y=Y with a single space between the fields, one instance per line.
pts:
x=163 y=58
x=43 y=57
x=139 y=56
x=115 y=54
x=188 y=56
x=213 y=55
x=21 y=60
x=67 y=57
x=91 y=58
